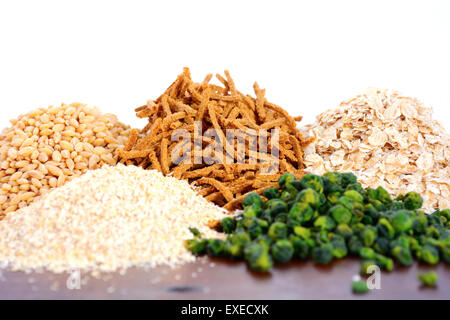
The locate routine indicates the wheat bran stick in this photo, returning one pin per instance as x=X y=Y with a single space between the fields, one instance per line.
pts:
x=234 y=203
x=169 y=89
x=203 y=105
x=263 y=184
x=146 y=128
x=143 y=107
x=218 y=185
x=181 y=146
x=180 y=169
x=267 y=177
x=271 y=124
x=233 y=114
x=180 y=106
x=195 y=94
x=145 y=142
x=165 y=105
x=249 y=101
x=208 y=78
x=173 y=91
x=239 y=183
x=221 y=174
x=291 y=168
x=280 y=110
x=175 y=125
x=214 y=197
x=289 y=154
x=155 y=165
x=233 y=98
x=298 y=151
x=238 y=125
x=224 y=122
x=241 y=188
x=134 y=135
x=145 y=162
x=172 y=118
x=260 y=101
x=148 y=112
x=158 y=138
x=304 y=143
x=164 y=157
x=224 y=82
x=270 y=115
x=217 y=89
x=248 y=115
x=230 y=83
x=201 y=172
x=205 y=190
x=245 y=126
x=216 y=126
x=127 y=155
x=227 y=109
x=184 y=87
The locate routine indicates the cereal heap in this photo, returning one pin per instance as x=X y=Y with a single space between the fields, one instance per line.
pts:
x=385 y=139
x=47 y=147
x=186 y=103
x=107 y=219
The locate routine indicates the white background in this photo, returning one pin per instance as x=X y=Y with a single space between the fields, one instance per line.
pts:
x=309 y=55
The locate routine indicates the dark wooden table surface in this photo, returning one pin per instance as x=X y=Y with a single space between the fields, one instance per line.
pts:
x=217 y=279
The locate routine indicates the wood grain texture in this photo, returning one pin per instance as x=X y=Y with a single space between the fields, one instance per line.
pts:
x=228 y=280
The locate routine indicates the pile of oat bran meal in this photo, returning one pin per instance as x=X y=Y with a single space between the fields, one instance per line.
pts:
x=386 y=139
x=106 y=220
x=47 y=147
x=221 y=108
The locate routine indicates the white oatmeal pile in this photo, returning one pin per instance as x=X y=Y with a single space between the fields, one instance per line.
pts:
x=387 y=140
x=107 y=219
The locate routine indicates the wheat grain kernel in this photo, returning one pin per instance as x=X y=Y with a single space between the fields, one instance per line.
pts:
x=56 y=156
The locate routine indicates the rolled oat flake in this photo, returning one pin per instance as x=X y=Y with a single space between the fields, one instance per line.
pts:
x=387 y=140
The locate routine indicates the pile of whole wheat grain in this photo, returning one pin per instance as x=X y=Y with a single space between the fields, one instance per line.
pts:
x=47 y=147
x=386 y=139
x=107 y=219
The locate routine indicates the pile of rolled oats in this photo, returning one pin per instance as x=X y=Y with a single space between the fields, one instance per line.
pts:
x=386 y=139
